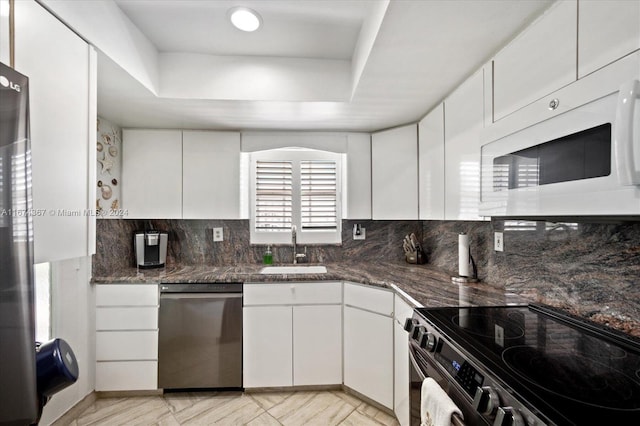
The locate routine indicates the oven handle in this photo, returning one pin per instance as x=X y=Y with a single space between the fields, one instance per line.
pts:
x=627 y=156
x=414 y=364
x=455 y=419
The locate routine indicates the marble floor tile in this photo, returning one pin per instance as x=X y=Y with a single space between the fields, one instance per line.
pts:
x=376 y=414
x=322 y=408
x=235 y=408
x=268 y=400
x=291 y=404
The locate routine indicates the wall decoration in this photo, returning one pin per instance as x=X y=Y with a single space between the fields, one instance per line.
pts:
x=109 y=147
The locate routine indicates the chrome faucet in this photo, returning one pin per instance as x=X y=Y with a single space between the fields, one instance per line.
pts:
x=295 y=245
x=296 y=255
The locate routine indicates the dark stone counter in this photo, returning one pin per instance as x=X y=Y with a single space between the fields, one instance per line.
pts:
x=426 y=285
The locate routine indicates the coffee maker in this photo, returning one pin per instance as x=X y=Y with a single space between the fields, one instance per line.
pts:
x=151 y=249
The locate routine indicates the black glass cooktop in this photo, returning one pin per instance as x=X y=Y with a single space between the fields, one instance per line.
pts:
x=574 y=372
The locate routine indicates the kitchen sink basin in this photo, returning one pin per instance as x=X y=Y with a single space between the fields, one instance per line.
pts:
x=294 y=269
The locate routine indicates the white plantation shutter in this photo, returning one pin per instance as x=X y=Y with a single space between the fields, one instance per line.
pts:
x=274 y=196
x=318 y=195
x=296 y=187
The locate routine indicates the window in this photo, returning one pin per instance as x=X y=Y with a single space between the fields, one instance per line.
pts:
x=295 y=187
x=43 y=301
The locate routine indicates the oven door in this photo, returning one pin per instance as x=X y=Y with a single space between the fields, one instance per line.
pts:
x=585 y=162
x=421 y=366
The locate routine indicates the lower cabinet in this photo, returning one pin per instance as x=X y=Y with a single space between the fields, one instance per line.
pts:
x=368 y=342
x=292 y=334
x=267 y=346
x=401 y=311
x=126 y=337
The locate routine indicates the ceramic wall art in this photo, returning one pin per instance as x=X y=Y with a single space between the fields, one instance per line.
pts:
x=108 y=171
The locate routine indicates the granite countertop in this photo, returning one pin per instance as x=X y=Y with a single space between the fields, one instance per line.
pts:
x=423 y=283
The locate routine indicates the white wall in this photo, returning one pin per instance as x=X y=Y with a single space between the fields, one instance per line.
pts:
x=4 y=32
x=73 y=319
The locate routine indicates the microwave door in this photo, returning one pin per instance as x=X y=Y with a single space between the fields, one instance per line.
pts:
x=627 y=139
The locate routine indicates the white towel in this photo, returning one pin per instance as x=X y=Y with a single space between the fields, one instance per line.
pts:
x=436 y=408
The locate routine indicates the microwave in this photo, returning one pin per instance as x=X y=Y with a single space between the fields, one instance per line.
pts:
x=584 y=161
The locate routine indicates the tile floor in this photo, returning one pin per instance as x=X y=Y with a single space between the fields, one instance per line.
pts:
x=235 y=408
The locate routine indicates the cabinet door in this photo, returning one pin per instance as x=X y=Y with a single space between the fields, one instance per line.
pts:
x=62 y=121
x=211 y=175
x=607 y=31
x=463 y=122
x=431 y=164
x=539 y=61
x=317 y=345
x=394 y=174
x=267 y=346
x=126 y=375
x=358 y=176
x=152 y=173
x=402 y=310
x=368 y=354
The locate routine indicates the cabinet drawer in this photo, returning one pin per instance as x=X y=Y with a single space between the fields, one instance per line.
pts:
x=126 y=375
x=369 y=298
x=127 y=295
x=127 y=318
x=126 y=345
x=293 y=293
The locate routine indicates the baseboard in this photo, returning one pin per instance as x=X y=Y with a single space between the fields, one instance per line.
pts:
x=347 y=389
x=294 y=388
x=74 y=412
x=126 y=394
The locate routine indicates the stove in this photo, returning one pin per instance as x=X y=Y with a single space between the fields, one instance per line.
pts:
x=528 y=365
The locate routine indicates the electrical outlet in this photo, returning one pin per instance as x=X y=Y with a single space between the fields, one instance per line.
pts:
x=498 y=241
x=217 y=235
x=359 y=233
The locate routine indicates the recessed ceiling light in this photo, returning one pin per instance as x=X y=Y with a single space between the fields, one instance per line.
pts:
x=245 y=19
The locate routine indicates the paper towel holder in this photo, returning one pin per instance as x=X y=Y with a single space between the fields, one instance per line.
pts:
x=461 y=279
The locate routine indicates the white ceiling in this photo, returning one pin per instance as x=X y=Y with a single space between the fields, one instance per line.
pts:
x=422 y=50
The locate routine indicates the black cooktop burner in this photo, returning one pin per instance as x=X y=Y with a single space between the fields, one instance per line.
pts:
x=584 y=372
x=574 y=377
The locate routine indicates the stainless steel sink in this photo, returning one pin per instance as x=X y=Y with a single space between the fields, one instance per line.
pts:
x=294 y=269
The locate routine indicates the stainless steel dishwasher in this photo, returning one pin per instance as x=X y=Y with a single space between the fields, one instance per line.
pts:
x=200 y=336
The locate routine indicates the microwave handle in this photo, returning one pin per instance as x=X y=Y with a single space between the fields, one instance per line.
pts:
x=627 y=154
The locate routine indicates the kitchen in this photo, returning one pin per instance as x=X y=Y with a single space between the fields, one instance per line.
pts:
x=412 y=110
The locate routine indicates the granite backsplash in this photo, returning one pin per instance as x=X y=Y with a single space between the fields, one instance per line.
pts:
x=589 y=269
x=191 y=243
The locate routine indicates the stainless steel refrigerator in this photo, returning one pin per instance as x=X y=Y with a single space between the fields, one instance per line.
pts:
x=18 y=392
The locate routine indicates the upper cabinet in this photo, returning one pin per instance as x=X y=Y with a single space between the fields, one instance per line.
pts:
x=152 y=173
x=174 y=174
x=62 y=89
x=210 y=175
x=607 y=31
x=463 y=121
x=394 y=171
x=431 y=164
x=358 y=176
x=539 y=61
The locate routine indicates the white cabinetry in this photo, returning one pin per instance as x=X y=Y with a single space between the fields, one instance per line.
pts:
x=401 y=311
x=292 y=334
x=539 y=61
x=62 y=75
x=368 y=342
x=607 y=31
x=394 y=171
x=358 y=176
x=211 y=175
x=431 y=164
x=126 y=337
x=267 y=345
x=152 y=173
x=464 y=112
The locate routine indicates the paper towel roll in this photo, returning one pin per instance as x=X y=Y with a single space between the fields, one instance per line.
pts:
x=463 y=255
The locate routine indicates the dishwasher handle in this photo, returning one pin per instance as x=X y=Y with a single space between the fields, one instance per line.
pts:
x=184 y=296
